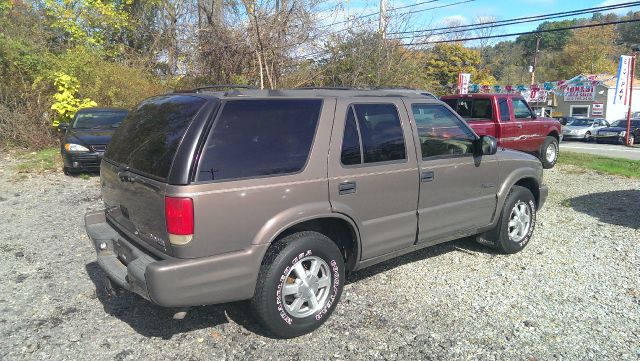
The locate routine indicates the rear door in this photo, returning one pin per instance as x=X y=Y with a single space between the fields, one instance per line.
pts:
x=373 y=175
x=457 y=189
x=136 y=166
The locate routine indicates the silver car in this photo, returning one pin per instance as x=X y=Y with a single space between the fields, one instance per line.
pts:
x=583 y=128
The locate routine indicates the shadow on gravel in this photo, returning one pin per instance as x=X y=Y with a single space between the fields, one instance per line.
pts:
x=466 y=245
x=616 y=207
x=151 y=320
x=154 y=321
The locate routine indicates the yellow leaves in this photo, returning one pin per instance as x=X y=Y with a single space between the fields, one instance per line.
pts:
x=88 y=21
x=66 y=104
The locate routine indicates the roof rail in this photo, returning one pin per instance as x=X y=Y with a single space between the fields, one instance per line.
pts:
x=214 y=88
x=326 y=88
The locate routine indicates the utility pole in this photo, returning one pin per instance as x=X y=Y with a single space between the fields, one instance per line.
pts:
x=535 y=60
x=634 y=48
x=382 y=23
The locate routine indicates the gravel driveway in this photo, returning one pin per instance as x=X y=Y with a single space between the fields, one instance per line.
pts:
x=572 y=294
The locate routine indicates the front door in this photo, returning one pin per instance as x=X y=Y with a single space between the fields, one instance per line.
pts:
x=531 y=136
x=373 y=175
x=457 y=188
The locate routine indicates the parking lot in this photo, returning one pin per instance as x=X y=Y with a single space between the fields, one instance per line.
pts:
x=572 y=294
x=607 y=150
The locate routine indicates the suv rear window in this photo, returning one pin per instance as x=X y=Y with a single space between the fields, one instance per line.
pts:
x=149 y=136
x=257 y=138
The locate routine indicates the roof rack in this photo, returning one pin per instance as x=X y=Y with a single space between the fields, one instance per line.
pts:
x=326 y=88
x=214 y=88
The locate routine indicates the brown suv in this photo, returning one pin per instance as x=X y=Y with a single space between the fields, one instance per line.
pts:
x=272 y=196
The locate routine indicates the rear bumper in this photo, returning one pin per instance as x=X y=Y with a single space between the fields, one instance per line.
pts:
x=174 y=282
x=544 y=193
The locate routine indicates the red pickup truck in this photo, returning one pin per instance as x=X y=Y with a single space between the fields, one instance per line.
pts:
x=509 y=118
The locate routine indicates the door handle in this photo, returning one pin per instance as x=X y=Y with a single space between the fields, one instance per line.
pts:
x=347 y=188
x=426 y=176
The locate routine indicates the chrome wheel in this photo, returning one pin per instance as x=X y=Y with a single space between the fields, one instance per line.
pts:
x=519 y=221
x=306 y=287
x=551 y=153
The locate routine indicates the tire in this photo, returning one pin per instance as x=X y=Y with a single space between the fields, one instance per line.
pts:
x=549 y=152
x=632 y=139
x=287 y=316
x=506 y=237
x=587 y=137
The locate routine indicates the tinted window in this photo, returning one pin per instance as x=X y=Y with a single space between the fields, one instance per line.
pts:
x=98 y=120
x=351 y=141
x=253 y=138
x=440 y=132
x=149 y=136
x=472 y=109
x=381 y=132
x=504 y=109
x=453 y=103
x=520 y=109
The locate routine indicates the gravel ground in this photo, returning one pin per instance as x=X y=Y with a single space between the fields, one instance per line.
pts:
x=572 y=294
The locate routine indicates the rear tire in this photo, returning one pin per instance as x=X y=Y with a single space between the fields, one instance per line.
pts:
x=517 y=222
x=549 y=152
x=299 y=285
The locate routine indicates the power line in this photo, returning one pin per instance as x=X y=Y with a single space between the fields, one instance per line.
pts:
x=394 y=9
x=523 y=33
x=527 y=18
x=307 y=56
x=400 y=14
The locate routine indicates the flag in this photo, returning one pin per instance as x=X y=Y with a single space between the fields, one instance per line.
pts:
x=463 y=83
x=624 y=80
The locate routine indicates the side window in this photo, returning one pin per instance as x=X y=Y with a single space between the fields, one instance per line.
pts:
x=258 y=138
x=441 y=133
x=504 y=109
x=521 y=109
x=351 y=153
x=381 y=132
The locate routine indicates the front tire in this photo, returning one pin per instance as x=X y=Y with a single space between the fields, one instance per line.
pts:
x=549 y=152
x=517 y=222
x=299 y=285
x=588 y=138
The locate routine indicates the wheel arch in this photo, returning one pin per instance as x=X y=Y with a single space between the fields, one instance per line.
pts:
x=341 y=229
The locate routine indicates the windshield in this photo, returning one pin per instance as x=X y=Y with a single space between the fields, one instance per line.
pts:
x=98 y=120
x=580 y=122
x=622 y=123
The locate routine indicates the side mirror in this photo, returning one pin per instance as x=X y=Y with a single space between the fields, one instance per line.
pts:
x=486 y=145
x=63 y=126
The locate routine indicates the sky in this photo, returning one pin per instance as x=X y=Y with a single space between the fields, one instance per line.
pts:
x=502 y=10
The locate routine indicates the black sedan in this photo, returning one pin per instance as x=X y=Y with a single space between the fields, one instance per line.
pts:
x=87 y=137
x=617 y=131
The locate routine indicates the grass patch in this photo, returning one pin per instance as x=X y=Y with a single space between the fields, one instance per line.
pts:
x=603 y=165
x=46 y=160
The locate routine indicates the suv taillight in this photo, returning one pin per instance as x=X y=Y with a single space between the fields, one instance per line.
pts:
x=178 y=213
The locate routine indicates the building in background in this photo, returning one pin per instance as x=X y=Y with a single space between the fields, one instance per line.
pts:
x=595 y=101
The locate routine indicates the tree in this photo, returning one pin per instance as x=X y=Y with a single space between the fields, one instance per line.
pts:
x=591 y=51
x=445 y=61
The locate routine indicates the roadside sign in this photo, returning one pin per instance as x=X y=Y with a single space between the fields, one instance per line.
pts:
x=464 y=79
x=597 y=109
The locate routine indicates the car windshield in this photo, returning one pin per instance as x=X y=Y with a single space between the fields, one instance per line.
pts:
x=98 y=120
x=580 y=122
x=622 y=123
